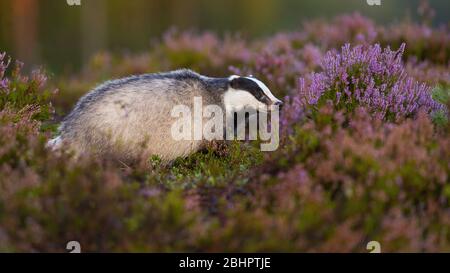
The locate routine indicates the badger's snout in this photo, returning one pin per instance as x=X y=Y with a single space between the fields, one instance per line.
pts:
x=278 y=103
x=276 y=106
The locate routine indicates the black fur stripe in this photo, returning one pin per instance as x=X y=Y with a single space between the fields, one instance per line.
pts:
x=250 y=86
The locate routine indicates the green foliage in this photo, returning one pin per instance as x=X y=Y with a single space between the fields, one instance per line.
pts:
x=27 y=92
x=441 y=94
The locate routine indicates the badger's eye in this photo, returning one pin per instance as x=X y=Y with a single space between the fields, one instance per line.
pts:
x=264 y=99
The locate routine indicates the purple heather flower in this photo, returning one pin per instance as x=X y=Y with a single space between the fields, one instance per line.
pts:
x=3 y=66
x=368 y=76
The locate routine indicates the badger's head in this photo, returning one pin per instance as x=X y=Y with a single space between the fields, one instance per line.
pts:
x=250 y=92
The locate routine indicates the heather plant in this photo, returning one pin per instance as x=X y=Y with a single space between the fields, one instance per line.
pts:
x=19 y=91
x=367 y=76
x=366 y=179
x=328 y=189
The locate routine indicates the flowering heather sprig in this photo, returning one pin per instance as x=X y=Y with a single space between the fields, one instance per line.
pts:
x=19 y=92
x=3 y=66
x=367 y=76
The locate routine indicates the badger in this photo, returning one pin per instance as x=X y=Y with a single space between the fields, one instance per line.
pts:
x=130 y=118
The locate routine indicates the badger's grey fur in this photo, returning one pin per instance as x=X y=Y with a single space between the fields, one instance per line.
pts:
x=130 y=118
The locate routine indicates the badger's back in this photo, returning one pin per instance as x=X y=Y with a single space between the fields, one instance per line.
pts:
x=130 y=118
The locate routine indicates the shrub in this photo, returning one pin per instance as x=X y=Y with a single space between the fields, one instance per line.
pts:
x=349 y=183
x=367 y=76
x=21 y=91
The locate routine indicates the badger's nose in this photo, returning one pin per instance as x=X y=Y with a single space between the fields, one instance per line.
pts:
x=279 y=104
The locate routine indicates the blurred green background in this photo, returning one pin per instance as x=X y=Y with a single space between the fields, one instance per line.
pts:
x=63 y=37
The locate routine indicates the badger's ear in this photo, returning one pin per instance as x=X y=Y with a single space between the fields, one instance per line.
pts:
x=235 y=82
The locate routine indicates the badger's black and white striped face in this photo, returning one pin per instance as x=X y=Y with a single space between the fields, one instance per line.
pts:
x=249 y=92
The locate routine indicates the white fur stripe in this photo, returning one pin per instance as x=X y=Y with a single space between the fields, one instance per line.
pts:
x=265 y=89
